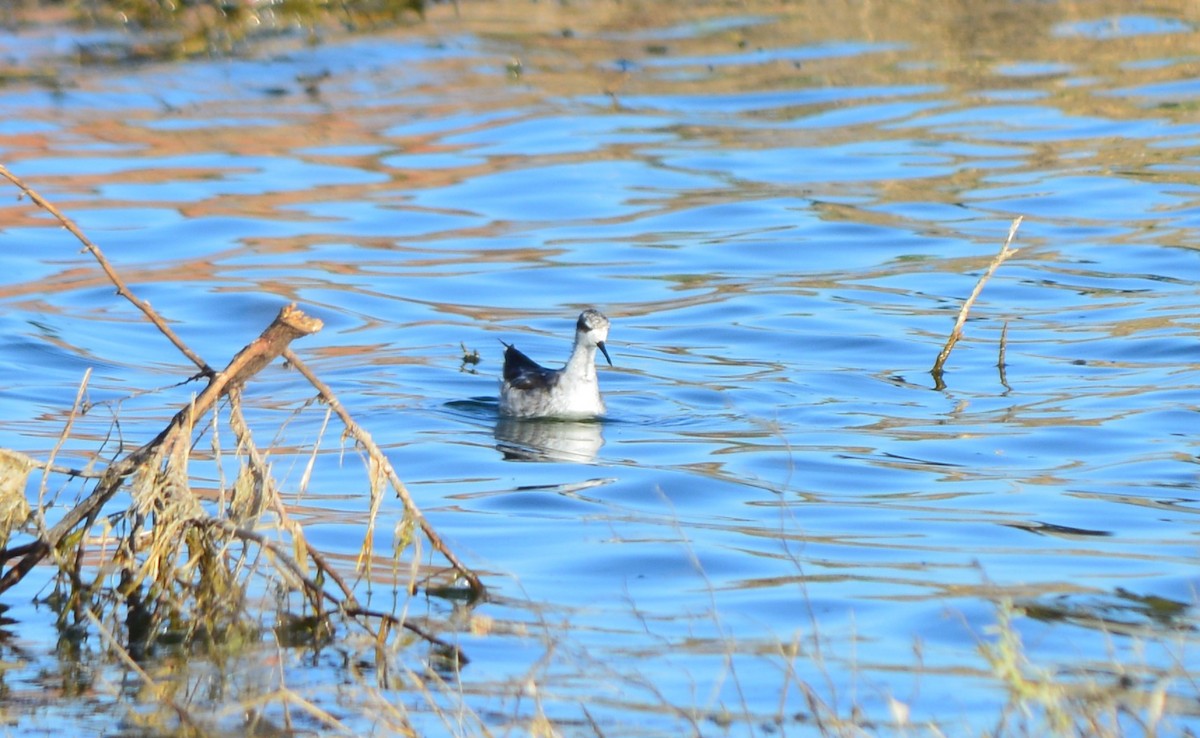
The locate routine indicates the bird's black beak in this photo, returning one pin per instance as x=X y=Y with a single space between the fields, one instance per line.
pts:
x=600 y=345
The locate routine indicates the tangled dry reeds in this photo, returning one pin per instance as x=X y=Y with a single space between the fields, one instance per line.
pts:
x=166 y=563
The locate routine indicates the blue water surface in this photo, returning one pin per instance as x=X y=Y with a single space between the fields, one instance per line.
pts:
x=784 y=520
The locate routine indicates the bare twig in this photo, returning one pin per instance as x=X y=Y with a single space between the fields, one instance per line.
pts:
x=378 y=457
x=71 y=471
x=62 y=439
x=122 y=289
x=955 y=334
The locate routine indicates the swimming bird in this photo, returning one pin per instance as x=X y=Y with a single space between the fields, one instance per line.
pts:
x=530 y=390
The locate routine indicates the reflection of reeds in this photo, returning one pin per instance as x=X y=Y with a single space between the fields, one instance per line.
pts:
x=956 y=333
x=1095 y=703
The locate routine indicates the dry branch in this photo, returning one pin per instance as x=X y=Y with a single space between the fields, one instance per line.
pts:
x=955 y=334
x=289 y=325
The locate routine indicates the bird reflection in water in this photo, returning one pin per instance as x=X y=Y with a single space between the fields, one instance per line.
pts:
x=548 y=440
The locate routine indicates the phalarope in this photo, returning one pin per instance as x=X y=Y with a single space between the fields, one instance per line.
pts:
x=530 y=390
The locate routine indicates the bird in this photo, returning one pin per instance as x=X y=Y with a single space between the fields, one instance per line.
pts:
x=530 y=390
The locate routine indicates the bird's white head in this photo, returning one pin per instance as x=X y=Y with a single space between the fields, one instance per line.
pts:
x=592 y=330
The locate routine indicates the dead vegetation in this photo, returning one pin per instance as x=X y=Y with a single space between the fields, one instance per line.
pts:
x=142 y=559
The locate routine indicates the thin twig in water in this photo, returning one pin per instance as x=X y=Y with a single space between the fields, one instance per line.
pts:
x=955 y=334
x=122 y=289
x=1001 y=364
x=62 y=439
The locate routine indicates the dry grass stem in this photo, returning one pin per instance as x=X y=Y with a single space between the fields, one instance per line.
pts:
x=956 y=333
x=62 y=438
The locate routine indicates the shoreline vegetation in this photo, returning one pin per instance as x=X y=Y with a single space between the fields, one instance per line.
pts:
x=162 y=31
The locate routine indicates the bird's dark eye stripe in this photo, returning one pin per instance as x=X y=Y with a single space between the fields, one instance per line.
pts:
x=581 y=325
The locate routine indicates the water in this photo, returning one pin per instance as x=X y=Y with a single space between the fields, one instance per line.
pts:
x=782 y=211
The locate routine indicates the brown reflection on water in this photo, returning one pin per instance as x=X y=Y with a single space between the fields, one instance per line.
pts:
x=940 y=44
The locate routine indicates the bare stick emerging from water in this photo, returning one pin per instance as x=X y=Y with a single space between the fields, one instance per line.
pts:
x=1005 y=252
x=1001 y=364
